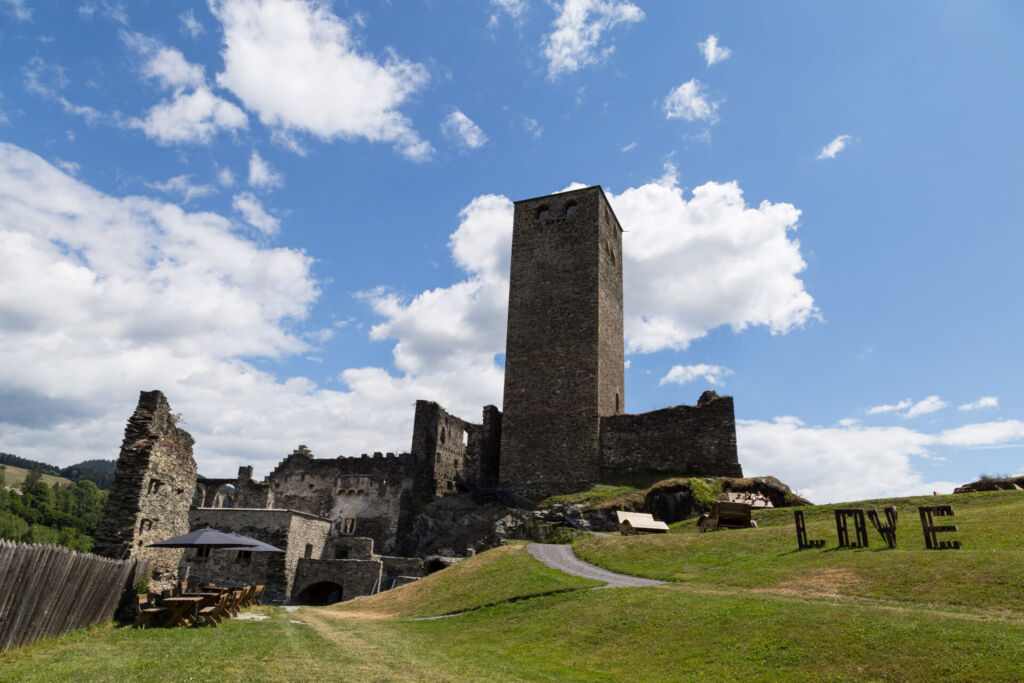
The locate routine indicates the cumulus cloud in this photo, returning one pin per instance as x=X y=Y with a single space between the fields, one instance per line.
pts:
x=833 y=148
x=575 y=41
x=681 y=374
x=690 y=101
x=689 y=266
x=262 y=174
x=225 y=177
x=712 y=51
x=182 y=185
x=141 y=294
x=298 y=66
x=193 y=113
x=460 y=128
x=983 y=402
x=532 y=126
x=252 y=211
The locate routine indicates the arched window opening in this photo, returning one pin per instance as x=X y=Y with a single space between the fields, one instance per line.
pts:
x=571 y=209
x=543 y=213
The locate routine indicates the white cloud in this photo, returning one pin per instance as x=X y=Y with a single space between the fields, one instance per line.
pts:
x=833 y=148
x=630 y=147
x=577 y=31
x=191 y=118
x=513 y=8
x=190 y=24
x=43 y=78
x=925 y=406
x=166 y=65
x=689 y=101
x=252 y=211
x=459 y=127
x=890 y=407
x=690 y=266
x=712 y=51
x=983 y=402
x=297 y=65
x=681 y=374
x=262 y=174
x=225 y=177
x=532 y=127
x=193 y=114
x=180 y=185
x=19 y=9
x=984 y=434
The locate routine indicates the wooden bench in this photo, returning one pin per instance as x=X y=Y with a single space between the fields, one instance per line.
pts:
x=639 y=523
x=726 y=516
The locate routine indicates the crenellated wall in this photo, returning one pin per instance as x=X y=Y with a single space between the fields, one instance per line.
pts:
x=692 y=440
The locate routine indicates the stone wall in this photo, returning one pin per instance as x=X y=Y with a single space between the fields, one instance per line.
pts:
x=686 y=440
x=364 y=496
x=349 y=548
x=400 y=566
x=292 y=531
x=564 y=351
x=354 y=577
x=154 y=482
x=449 y=452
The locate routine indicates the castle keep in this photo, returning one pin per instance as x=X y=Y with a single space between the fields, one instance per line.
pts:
x=562 y=428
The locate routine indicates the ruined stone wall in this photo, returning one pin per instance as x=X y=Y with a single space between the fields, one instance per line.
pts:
x=365 y=496
x=288 y=530
x=564 y=354
x=449 y=451
x=154 y=481
x=356 y=577
x=251 y=494
x=686 y=440
x=349 y=548
x=399 y=566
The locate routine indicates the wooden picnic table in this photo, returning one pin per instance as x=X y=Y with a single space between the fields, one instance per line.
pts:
x=181 y=609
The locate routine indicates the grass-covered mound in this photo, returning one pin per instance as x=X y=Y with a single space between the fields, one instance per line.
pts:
x=499 y=575
x=987 y=573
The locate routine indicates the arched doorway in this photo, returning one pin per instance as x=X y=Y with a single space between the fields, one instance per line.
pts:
x=319 y=593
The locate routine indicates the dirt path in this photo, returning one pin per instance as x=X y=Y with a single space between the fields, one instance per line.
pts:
x=562 y=558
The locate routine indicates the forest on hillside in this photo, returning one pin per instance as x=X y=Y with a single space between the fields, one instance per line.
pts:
x=99 y=472
x=64 y=515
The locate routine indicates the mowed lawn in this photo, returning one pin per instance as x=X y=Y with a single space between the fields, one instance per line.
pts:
x=739 y=612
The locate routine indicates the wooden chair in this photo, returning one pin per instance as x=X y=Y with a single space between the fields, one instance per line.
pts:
x=257 y=598
x=247 y=595
x=146 y=615
x=212 y=615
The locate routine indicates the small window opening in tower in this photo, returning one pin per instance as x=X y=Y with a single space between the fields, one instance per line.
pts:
x=309 y=551
x=616 y=403
x=571 y=209
x=543 y=213
x=465 y=438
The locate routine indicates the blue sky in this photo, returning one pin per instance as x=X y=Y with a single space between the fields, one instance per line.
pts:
x=294 y=218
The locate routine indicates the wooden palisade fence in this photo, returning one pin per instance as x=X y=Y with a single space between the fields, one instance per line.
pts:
x=47 y=590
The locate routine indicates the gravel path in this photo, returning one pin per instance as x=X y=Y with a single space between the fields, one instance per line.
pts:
x=562 y=558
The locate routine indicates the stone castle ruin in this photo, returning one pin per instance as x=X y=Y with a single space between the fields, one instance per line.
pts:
x=562 y=428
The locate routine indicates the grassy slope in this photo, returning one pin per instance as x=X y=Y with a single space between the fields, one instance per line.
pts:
x=499 y=575
x=14 y=476
x=745 y=610
x=988 y=573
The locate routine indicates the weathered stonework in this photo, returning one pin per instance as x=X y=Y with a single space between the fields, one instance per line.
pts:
x=299 y=534
x=154 y=481
x=564 y=353
x=694 y=440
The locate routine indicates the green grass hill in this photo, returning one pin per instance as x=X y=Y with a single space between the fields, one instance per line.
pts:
x=743 y=605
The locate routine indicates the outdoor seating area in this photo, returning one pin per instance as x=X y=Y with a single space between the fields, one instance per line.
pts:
x=194 y=604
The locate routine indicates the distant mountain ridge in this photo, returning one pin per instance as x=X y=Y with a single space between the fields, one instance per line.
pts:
x=100 y=472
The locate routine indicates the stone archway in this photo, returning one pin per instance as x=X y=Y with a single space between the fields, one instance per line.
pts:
x=319 y=593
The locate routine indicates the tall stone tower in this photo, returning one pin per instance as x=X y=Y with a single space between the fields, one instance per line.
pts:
x=564 y=352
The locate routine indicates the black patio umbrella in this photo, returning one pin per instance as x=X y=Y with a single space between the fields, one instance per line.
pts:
x=206 y=538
